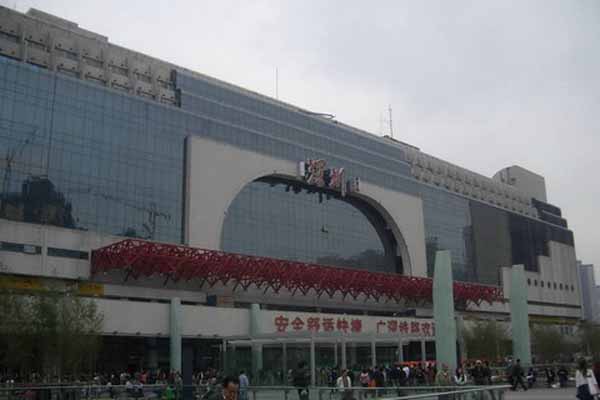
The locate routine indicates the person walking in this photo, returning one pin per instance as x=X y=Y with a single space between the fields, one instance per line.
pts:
x=517 y=376
x=585 y=381
x=460 y=378
x=302 y=380
x=563 y=376
x=244 y=383
x=478 y=374
x=344 y=385
x=442 y=378
x=228 y=391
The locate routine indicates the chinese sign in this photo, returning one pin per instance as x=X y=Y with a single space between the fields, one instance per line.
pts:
x=315 y=172
x=316 y=324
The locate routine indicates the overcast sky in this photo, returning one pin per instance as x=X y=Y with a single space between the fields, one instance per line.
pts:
x=483 y=84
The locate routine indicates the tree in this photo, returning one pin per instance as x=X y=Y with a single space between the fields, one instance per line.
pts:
x=549 y=344
x=53 y=331
x=589 y=339
x=487 y=340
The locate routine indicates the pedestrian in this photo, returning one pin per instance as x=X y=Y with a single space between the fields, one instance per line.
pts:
x=563 y=376
x=344 y=385
x=228 y=391
x=244 y=383
x=517 y=376
x=364 y=378
x=487 y=373
x=585 y=381
x=460 y=378
x=550 y=376
x=478 y=374
x=443 y=376
x=596 y=370
x=302 y=380
x=531 y=377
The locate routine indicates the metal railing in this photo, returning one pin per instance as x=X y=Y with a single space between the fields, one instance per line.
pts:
x=171 y=392
x=360 y=393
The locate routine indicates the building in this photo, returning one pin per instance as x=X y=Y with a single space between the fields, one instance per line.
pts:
x=590 y=293
x=100 y=143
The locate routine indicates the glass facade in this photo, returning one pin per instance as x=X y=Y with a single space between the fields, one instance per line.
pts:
x=284 y=220
x=82 y=156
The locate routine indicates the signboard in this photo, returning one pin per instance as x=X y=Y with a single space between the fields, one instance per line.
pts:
x=327 y=323
x=316 y=173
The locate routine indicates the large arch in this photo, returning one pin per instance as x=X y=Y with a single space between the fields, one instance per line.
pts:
x=216 y=172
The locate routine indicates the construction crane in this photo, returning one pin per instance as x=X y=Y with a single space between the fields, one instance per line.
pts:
x=9 y=159
x=152 y=211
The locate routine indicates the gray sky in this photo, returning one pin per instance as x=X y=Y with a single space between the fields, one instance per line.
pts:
x=484 y=84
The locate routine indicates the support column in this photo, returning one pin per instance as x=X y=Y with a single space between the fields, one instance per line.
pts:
x=257 y=354
x=313 y=363
x=152 y=351
x=344 y=363
x=284 y=358
x=353 y=360
x=443 y=310
x=519 y=316
x=400 y=351
x=175 y=334
x=224 y=355
x=373 y=352
x=423 y=351
x=335 y=354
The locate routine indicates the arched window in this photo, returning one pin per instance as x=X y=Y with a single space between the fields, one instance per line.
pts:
x=277 y=218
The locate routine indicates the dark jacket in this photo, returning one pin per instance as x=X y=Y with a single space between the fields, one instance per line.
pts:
x=301 y=377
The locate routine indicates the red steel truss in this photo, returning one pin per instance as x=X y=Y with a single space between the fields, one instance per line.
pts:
x=141 y=258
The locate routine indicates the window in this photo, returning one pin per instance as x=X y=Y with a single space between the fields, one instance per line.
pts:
x=560 y=286
x=554 y=285
x=66 y=253
x=542 y=283
x=8 y=36
x=535 y=283
x=528 y=281
x=20 y=248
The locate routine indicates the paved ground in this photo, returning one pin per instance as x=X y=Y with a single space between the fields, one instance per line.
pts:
x=543 y=394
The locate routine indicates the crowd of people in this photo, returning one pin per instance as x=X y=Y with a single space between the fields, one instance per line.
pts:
x=212 y=384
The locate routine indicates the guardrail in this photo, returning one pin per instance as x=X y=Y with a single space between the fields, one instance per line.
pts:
x=170 y=392
x=400 y=392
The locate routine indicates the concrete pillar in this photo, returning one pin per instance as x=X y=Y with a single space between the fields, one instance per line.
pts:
x=313 y=363
x=373 y=352
x=443 y=310
x=175 y=325
x=400 y=351
x=423 y=351
x=519 y=316
x=152 y=351
x=353 y=361
x=344 y=363
x=257 y=356
x=224 y=356
x=284 y=357
x=335 y=354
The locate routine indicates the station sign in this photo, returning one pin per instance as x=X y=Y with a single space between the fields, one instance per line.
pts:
x=326 y=323
x=316 y=173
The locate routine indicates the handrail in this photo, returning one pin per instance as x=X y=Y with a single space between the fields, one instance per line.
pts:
x=428 y=395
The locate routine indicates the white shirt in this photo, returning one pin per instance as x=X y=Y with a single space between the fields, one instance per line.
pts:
x=406 y=371
x=340 y=382
x=584 y=380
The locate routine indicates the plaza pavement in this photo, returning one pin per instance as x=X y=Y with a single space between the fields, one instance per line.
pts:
x=542 y=394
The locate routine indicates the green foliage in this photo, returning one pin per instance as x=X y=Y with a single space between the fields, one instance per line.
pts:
x=589 y=339
x=53 y=332
x=487 y=340
x=549 y=345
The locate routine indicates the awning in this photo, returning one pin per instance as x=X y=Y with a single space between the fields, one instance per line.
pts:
x=139 y=258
